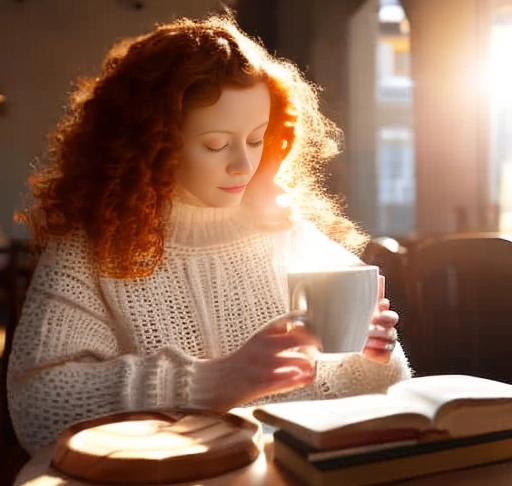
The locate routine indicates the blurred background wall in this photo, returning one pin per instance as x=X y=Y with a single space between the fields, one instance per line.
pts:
x=44 y=45
x=420 y=88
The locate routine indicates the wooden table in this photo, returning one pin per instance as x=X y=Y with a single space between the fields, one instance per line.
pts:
x=263 y=472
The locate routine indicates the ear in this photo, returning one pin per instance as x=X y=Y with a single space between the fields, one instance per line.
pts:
x=263 y=190
x=263 y=199
x=267 y=201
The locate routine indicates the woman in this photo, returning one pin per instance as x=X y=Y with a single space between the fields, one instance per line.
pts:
x=161 y=279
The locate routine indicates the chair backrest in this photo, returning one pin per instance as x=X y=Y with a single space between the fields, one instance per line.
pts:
x=15 y=274
x=5 y=295
x=391 y=257
x=462 y=287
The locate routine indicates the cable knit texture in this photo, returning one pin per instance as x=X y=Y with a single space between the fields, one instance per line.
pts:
x=88 y=345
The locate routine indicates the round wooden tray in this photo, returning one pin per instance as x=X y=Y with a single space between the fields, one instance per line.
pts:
x=156 y=447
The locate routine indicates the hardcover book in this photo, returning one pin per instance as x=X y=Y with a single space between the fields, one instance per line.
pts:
x=421 y=426
x=391 y=463
x=418 y=409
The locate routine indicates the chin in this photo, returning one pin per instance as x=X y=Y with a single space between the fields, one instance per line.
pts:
x=230 y=204
x=228 y=201
x=221 y=200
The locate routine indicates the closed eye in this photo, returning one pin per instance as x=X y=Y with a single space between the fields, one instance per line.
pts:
x=215 y=150
x=255 y=144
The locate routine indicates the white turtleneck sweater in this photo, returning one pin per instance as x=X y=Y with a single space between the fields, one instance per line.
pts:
x=87 y=345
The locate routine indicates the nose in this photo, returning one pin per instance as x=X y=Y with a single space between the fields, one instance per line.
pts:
x=240 y=163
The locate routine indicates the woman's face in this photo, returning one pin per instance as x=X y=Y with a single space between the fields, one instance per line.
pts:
x=223 y=144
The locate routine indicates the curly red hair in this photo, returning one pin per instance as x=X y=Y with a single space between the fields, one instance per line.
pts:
x=111 y=158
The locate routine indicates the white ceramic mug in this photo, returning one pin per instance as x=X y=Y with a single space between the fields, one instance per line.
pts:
x=339 y=303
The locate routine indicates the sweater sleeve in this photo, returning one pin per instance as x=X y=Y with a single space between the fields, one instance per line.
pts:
x=342 y=374
x=70 y=361
x=348 y=374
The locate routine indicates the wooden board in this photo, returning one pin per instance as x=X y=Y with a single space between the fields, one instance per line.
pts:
x=156 y=447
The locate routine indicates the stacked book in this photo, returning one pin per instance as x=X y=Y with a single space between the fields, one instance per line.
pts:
x=421 y=426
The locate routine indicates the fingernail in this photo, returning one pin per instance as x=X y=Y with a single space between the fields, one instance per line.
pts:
x=300 y=319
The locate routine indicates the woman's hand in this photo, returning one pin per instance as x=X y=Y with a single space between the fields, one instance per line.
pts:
x=382 y=334
x=279 y=357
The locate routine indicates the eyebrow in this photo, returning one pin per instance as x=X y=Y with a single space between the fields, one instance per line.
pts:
x=229 y=132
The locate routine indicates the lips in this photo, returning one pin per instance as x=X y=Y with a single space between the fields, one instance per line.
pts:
x=233 y=189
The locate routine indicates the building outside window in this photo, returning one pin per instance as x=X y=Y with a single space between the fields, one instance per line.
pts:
x=395 y=161
x=500 y=82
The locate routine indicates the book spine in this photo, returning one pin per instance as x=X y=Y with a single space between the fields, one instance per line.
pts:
x=339 y=458
x=296 y=466
x=393 y=469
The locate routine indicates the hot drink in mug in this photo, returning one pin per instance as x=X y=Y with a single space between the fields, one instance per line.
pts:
x=339 y=303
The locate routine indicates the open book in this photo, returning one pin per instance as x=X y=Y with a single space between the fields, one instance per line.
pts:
x=418 y=409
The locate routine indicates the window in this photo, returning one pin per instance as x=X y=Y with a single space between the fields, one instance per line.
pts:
x=395 y=139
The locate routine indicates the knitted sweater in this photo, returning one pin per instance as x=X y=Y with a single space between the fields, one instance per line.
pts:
x=88 y=345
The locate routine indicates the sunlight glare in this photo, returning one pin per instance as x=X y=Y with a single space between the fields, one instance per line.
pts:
x=500 y=72
x=500 y=96
x=283 y=200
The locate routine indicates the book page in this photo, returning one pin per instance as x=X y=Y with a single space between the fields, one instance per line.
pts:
x=463 y=405
x=349 y=421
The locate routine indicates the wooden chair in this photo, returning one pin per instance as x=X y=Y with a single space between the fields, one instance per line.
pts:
x=391 y=257
x=461 y=286
x=15 y=274
x=7 y=280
